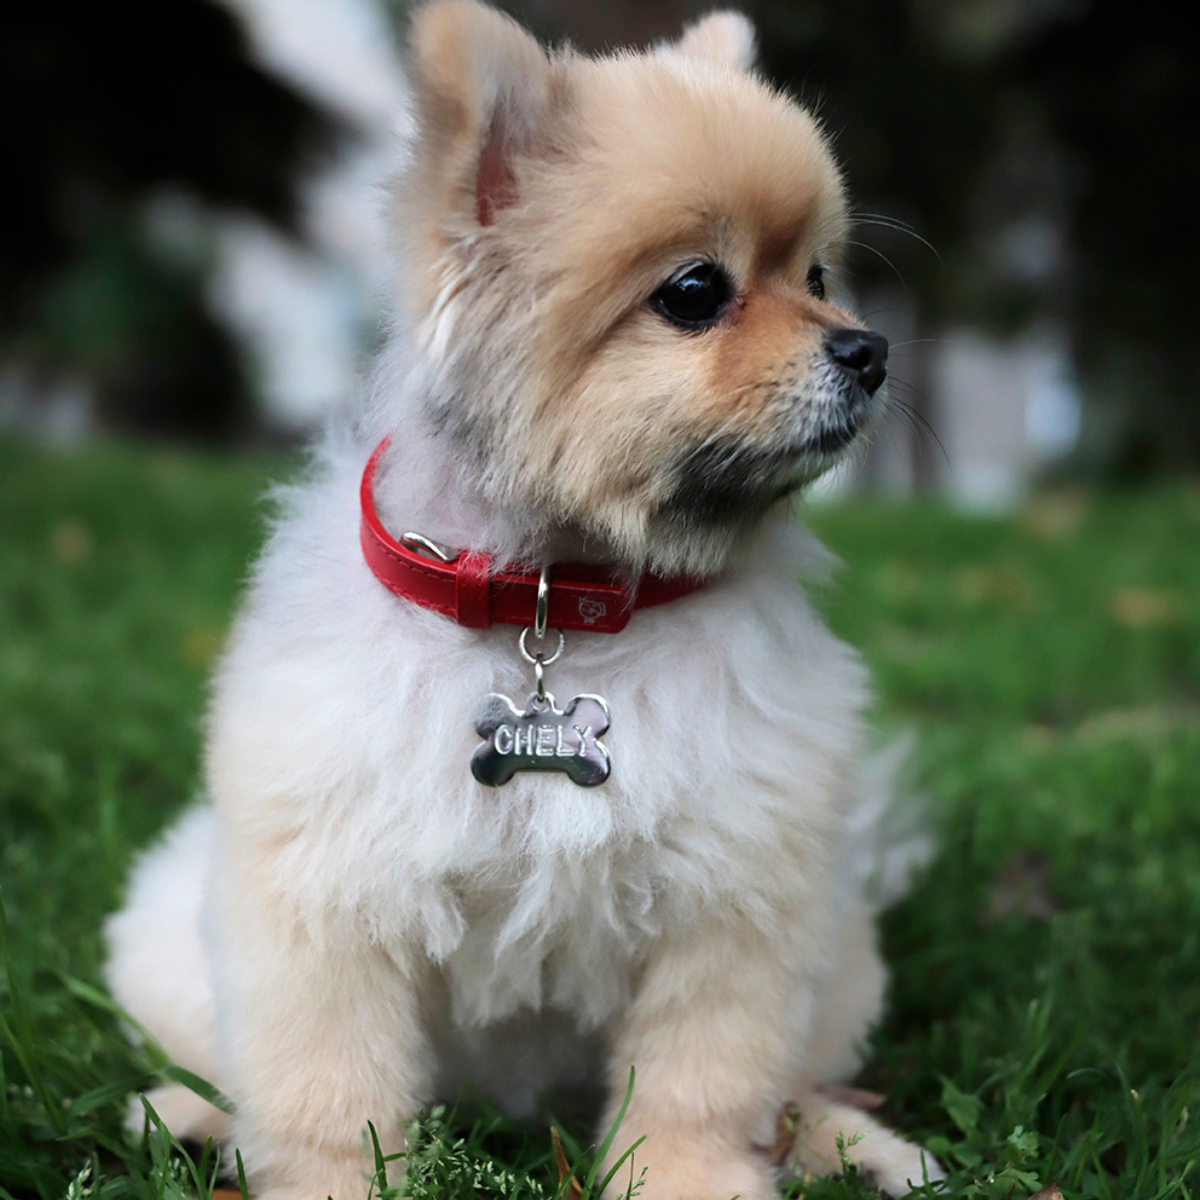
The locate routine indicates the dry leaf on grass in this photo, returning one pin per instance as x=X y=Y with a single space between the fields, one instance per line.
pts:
x=1150 y=723
x=1147 y=608
x=994 y=586
x=789 y=1115
x=1022 y=887
x=575 y=1188
x=71 y=541
x=858 y=1098
x=785 y=1134
x=201 y=646
x=1058 y=514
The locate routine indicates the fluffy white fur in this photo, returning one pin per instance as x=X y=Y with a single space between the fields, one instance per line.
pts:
x=352 y=926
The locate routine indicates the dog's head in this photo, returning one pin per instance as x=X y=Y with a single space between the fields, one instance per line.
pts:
x=622 y=272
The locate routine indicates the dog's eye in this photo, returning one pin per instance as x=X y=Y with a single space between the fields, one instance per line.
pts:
x=694 y=297
x=816 y=281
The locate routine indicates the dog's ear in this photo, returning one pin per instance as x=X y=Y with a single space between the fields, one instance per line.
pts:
x=726 y=37
x=482 y=88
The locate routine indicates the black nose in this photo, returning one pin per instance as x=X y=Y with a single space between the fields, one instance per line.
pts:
x=862 y=353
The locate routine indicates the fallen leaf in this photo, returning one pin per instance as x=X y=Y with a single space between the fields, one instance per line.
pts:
x=785 y=1134
x=71 y=541
x=1147 y=724
x=1147 y=608
x=226 y=1194
x=1056 y=515
x=1022 y=887
x=201 y=646
x=1002 y=586
x=898 y=580
x=565 y=1175
x=906 y=646
x=858 y=1098
x=1036 y=738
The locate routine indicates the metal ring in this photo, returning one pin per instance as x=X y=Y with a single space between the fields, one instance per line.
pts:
x=543 y=603
x=540 y=675
x=529 y=658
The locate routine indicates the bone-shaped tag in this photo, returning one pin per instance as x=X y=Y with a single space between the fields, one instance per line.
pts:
x=542 y=738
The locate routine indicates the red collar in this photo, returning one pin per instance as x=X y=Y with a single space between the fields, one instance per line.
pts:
x=465 y=587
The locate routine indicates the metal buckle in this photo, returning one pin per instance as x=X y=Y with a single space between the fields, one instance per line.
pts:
x=418 y=541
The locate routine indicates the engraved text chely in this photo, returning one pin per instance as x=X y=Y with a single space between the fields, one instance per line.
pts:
x=542 y=741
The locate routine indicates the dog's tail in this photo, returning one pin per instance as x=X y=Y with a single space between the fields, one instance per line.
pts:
x=158 y=970
x=887 y=839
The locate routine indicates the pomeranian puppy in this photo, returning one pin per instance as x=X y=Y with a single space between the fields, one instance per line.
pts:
x=617 y=354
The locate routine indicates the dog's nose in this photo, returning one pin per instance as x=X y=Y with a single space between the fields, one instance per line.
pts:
x=862 y=353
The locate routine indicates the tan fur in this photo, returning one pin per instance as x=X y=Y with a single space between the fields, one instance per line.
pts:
x=715 y=164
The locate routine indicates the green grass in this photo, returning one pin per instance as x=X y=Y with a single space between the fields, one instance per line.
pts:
x=1049 y=662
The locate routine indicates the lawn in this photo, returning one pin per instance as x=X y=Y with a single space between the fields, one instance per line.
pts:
x=1045 y=1024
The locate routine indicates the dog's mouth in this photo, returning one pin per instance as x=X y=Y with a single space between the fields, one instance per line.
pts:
x=832 y=440
x=726 y=480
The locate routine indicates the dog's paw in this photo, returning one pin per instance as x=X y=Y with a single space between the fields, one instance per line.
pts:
x=894 y=1165
x=343 y=1184
x=685 y=1170
x=184 y=1113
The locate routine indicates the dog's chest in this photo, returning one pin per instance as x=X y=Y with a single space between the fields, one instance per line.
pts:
x=732 y=719
x=556 y=932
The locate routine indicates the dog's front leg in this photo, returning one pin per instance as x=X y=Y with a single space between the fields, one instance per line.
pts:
x=324 y=1034
x=712 y=1031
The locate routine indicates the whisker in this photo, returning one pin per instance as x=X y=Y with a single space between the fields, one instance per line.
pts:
x=918 y=422
x=856 y=456
x=875 y=312
x=888 y=217
x=880 y=254
x=898 y=226
x=894 y=381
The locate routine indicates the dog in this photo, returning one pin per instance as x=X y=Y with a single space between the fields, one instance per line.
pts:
x=616 y=356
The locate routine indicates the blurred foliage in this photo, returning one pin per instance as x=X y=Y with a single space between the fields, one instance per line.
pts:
x=1040 y=145
x=102 y=108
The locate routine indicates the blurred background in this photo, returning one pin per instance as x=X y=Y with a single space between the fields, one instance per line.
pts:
x=191 y=275
x=192 y=249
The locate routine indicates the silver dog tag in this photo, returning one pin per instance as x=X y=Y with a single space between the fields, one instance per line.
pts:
x=542 y=738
